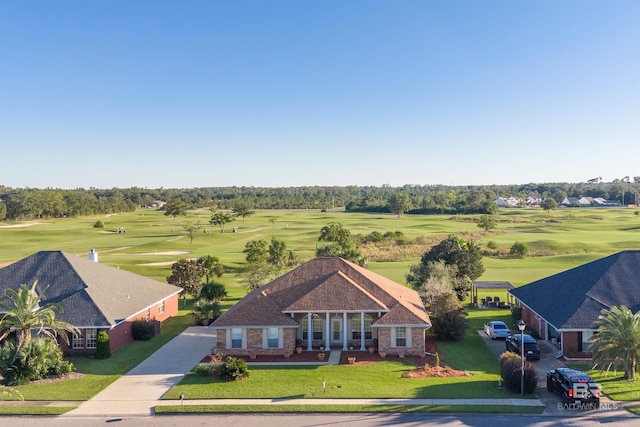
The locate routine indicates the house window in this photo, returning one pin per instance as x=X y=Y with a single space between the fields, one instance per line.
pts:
x=401 y=337
x=272 y=337
x=236 y=338
x=305 y=328
x=318 y=328
x=92 y=338
x=161 y=308
x=77 y=341
x=355 y=328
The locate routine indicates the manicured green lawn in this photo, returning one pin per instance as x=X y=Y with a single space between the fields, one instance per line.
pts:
x=376 y=380
x=34 y=410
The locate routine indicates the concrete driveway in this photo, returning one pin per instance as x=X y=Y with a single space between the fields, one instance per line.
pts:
x=548 y=361
x=138 y=391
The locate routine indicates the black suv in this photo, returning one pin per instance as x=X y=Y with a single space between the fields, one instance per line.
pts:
x=574 y=387
x=531 y=348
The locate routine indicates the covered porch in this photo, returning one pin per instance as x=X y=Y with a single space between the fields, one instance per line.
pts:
x=345 y=330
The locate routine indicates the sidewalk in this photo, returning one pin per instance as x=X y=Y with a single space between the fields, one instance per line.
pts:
x=298 y=401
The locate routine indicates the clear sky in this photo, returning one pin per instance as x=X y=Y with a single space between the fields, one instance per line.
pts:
x=182 y=94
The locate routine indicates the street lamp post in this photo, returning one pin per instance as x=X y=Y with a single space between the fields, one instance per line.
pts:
x=521 y=326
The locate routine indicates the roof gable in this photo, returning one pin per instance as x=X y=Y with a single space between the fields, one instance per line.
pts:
x=574 y=298
x=331 y=284
x=90 y=293
x=337 y=292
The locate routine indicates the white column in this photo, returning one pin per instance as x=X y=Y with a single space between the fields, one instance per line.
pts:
x=327 y=332
x=344 y=330
x=309 y=331
x=362 y=330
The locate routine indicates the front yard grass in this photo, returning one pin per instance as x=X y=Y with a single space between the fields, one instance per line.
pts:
x=98 y=374
x=377 y=380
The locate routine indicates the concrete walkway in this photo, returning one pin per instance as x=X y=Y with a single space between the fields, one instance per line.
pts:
x=297 y=401
x=138 y=391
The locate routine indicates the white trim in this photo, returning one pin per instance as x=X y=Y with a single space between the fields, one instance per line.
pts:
x=254 y=326
x=337 y=311
x=406 y=325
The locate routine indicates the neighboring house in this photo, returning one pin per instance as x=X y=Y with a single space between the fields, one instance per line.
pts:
x=501 y=202
x=587 y=201
x=326 y=302
x=156 y=204
x=94 y=296
x=570 y=201
x=566 y=305
x=533 y=201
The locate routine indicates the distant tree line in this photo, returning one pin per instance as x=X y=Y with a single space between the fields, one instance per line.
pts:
x=422 y=199
x=24 y=204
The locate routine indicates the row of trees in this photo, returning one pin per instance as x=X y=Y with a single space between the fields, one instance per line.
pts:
x=38 y=203
x=50 y=203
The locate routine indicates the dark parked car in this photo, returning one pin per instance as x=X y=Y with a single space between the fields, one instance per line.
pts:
x=574 y=387
x=531 y=348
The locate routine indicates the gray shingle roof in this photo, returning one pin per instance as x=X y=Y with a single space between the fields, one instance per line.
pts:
x=574 y=298
x=91 y=294
x=326 y=284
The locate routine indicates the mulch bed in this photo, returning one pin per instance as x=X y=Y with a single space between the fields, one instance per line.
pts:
x=305 y=356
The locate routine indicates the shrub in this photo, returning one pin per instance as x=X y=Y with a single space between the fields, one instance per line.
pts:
x=142 y=330
x=533 y=333
x=40 y=358
x=103 y=346
x=234 y=369
x=510 y=370
x=516 y=313
x=519 y=250
x=492 y=245
x=98 y=224
x=216 y=364
x=202 y=370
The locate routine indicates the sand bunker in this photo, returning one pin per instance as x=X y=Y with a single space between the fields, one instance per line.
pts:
x=157 y=263
x=28 y=224
x=165 y=253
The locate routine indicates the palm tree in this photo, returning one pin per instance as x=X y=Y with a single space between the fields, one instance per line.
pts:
x=213 y=292
x=211 y=266
x=24 y=314
x=617 y=340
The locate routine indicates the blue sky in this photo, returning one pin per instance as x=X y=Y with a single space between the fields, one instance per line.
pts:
x=182 y=94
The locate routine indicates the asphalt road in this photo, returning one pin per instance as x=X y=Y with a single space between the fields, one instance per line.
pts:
x=322 y=420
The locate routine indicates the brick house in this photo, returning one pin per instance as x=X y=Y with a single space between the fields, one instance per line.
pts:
x=328 y=302
x=94 y=297
x=563 y=307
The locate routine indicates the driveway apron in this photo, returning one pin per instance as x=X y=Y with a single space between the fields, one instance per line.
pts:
x=137 y=392
x=552 y=402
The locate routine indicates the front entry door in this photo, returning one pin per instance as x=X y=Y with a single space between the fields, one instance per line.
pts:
x=336 y=331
